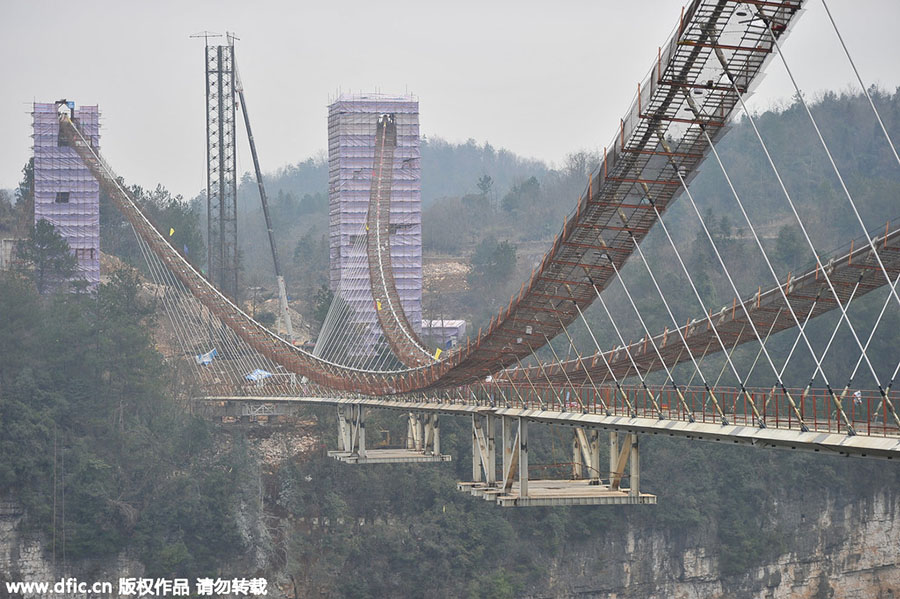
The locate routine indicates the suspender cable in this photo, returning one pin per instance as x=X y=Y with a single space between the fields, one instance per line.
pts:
x=605 y=361
x=752 y=121
x=709 y=390
x=547 y=378
x=581 y=362
x=797 y=338
x=515 y=389
x=650 y=337
x=566 y=374
x=693 y=286
x=528 y=378
x=830 y=157
x=702 y=357
x=653 y=397
x=887 y=300
x=731 y=282
x=896 y=157
x=861 y=84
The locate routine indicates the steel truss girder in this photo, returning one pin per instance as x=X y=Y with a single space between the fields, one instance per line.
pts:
x=398 y=332
x=766 y=308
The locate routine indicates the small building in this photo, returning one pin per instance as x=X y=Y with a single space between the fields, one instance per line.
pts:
x=444 y=333
x=7 y=252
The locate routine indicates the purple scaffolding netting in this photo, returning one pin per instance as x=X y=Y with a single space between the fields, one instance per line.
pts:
x=352 y=122
x=65 y=192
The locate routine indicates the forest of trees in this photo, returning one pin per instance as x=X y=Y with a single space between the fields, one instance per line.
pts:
x=97 y=443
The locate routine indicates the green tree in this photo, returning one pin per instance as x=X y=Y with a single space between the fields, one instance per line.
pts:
x=492 y=262
x=484 y=184
x=266 y=318
x=176 y=219
x=789 y=246
x=522 y=195
x=46 y=254
x=25 y=190
x=7 y=212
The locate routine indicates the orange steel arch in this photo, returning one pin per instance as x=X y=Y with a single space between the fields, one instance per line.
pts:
x=398 y=332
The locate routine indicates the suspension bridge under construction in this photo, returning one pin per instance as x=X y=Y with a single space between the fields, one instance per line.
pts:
x=619 y=393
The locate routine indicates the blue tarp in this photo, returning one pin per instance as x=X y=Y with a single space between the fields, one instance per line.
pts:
x=258 y=375
x=207 y=358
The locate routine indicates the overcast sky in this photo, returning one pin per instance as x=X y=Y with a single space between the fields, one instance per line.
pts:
x=540 y=78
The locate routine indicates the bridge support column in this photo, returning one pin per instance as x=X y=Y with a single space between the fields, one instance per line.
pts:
x=436 y=428
x=360 y=432
x=352 y=430
x=613 y=454
x=514 y=487
x=523 y=457
x=433 y=434
x=515 y=453
x=484 y=454
x=343 y=429
x=412 y=431
x=423 y=439
x=423 y=433
x=629 y=455
x=635 y=467
x=586 y=455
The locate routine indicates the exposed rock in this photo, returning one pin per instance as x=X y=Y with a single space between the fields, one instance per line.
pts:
x=27 y=556
x=850 y=551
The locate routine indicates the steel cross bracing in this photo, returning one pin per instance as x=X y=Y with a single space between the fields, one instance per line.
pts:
x=398 y=332
x=221 y=168
x=608 y=220
x=808 y=294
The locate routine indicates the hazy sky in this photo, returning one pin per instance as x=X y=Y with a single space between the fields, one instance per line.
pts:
x=540 y=78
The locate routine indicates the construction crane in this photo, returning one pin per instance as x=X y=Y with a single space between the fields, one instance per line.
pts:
x=282 y=291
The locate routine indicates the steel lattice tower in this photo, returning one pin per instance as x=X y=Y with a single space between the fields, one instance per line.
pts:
x=221 y=169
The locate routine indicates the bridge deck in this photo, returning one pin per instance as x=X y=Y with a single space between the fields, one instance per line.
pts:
x=881 y=442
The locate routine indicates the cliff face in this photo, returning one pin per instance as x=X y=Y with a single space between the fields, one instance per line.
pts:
x=821 y=546
x=26 y=557
x=849 y=551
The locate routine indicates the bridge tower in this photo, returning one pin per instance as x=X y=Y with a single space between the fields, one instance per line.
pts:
x=66 y=194
x=352 y=123
x=221 y=168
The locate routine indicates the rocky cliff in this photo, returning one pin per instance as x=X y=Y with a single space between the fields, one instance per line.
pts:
x=819 y=545
x=28 y=557
x=848 y=551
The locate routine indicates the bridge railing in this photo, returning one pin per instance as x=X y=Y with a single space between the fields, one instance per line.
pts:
x=812 y=410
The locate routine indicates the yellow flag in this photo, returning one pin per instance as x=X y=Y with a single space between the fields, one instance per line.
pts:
x=378 y=304
x=171 y=232
x=437 y=353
